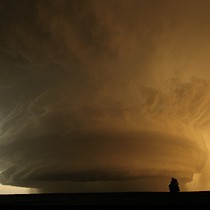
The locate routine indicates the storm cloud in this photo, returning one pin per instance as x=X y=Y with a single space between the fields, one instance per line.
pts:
x=101 y=95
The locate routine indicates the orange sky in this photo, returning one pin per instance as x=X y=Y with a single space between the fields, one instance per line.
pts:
x=104 y=95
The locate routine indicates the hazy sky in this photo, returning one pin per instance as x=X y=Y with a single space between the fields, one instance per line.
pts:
x=104 y=95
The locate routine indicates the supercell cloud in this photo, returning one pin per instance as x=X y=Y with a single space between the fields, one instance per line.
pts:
x=101 y=95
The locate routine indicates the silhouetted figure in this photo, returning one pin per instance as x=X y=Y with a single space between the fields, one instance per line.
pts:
x=174 y=185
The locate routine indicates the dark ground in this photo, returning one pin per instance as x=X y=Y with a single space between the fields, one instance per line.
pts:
x=128 y=200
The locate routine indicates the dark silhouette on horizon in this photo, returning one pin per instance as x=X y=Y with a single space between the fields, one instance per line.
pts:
x=174 y=185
